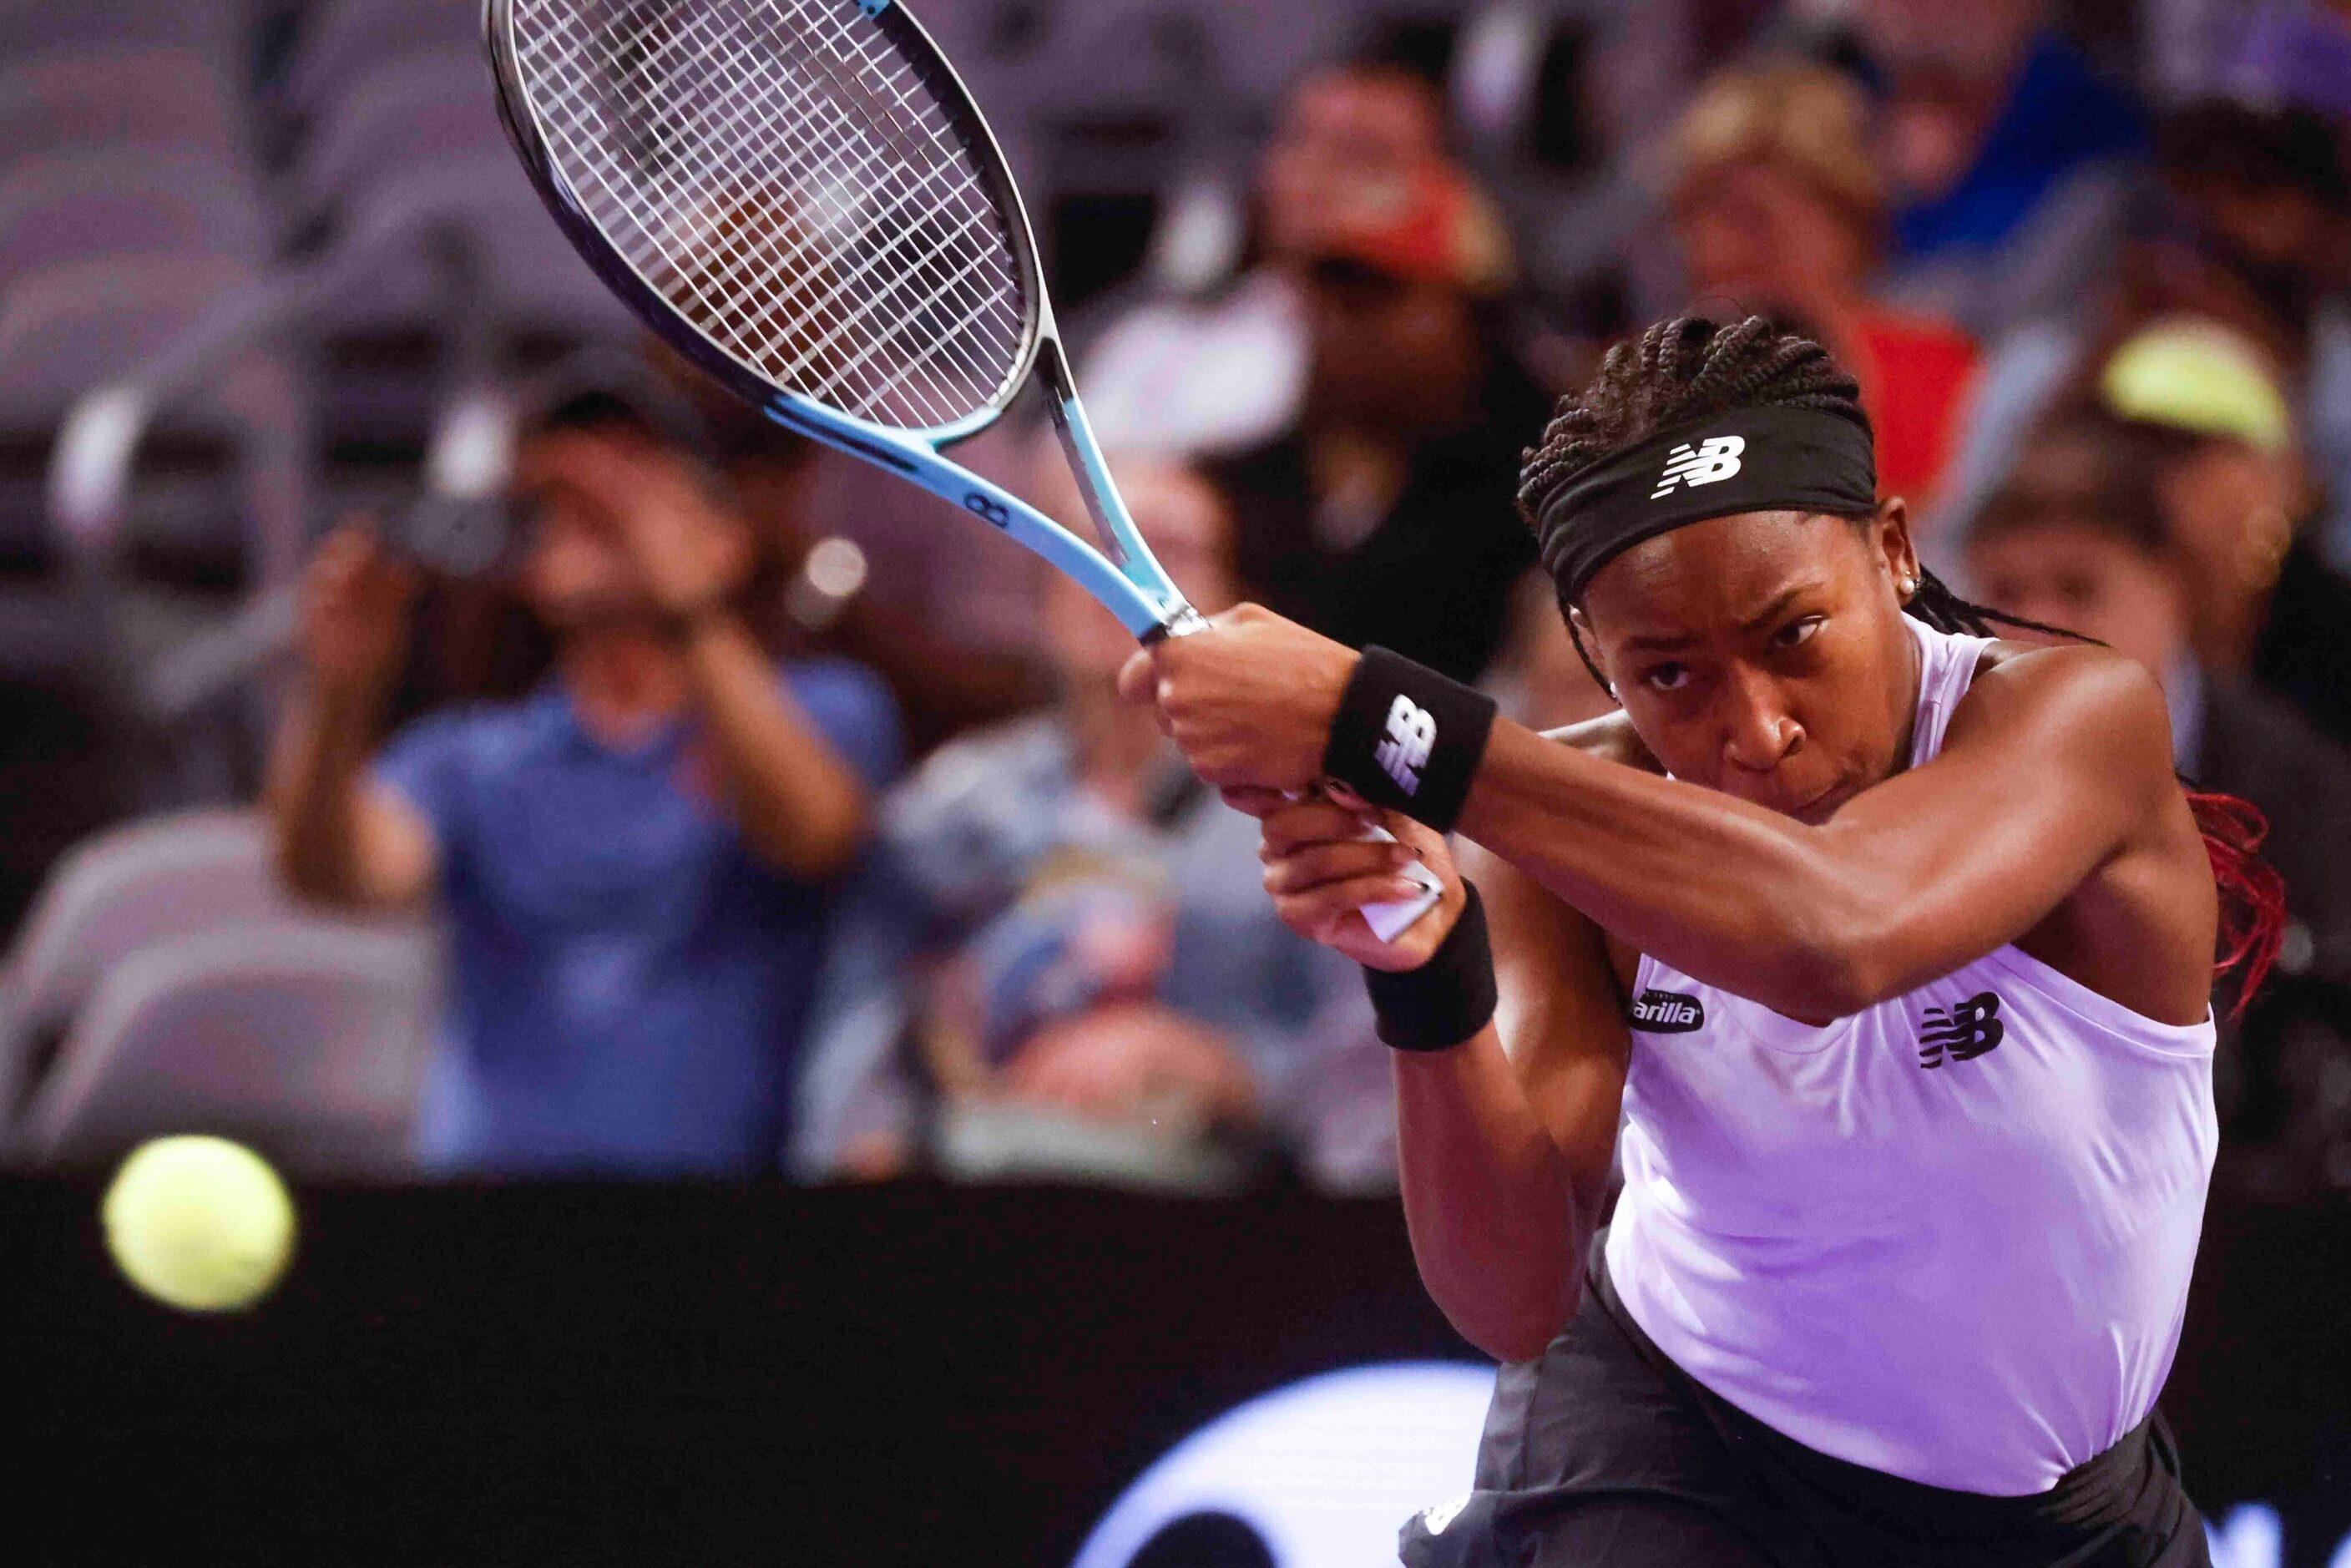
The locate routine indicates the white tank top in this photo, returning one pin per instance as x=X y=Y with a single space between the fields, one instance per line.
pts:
x=1947 y=1237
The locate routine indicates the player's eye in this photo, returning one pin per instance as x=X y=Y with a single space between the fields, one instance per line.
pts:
x=1665 y=677
x=1797 y=632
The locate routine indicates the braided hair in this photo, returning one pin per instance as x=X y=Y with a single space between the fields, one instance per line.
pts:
x=1691 y=368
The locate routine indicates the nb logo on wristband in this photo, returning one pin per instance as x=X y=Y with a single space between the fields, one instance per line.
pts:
x=1710 y=460
x=1412 y=730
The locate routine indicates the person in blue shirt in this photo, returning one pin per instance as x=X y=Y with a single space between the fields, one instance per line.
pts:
x=636 y=861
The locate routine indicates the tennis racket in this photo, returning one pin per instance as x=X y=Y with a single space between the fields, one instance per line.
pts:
x=801 y=198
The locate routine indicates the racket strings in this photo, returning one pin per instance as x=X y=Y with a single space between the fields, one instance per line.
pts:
x=855 y=357
x=736 y=306
x=788 y=181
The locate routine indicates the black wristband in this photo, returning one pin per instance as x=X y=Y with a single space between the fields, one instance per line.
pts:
x=1408 y=738
x=1446 y=999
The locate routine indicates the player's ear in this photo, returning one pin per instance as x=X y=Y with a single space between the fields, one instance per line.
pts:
x=1580 y=627
x=1888 y=533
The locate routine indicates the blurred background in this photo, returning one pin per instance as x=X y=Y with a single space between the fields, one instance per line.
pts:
x=877 y=1120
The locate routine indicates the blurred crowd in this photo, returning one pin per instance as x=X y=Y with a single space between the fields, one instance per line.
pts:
x=768 y=816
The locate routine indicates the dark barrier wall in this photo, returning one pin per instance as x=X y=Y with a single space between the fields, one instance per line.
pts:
x=868 y=1376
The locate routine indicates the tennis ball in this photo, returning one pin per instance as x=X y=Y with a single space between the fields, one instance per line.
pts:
x=199 y=1223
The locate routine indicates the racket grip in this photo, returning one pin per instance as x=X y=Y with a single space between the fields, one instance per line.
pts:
x=1392 y=919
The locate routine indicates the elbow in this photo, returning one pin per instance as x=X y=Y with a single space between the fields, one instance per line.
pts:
x=1518 y=1325
x=1833 y=967
x=1520 y=1336
x=308 y=882
x=825 y=844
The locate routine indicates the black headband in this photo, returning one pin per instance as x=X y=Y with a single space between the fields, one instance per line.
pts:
x=1749 y=460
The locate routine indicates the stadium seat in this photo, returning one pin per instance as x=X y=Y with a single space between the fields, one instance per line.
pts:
x=306 y=1040
x=84 y=205
x=346 y=39
x=220 y=30
x=117 y=894
x=161 y=101
x=68 y=329
x=417 y=108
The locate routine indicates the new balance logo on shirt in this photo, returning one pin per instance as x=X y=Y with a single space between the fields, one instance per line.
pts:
x=1712 y=460
x=1412 y=730
x=1962 y=1031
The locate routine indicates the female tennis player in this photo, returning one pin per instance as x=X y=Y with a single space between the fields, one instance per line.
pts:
x=1891 y=944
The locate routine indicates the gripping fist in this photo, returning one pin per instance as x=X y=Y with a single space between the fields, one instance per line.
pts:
x=355 y=602
x=1250 y=701
x=1321 y=868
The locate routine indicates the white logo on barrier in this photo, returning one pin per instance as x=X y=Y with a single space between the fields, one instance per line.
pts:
x=1713 y=459
x=1412 y=730
x=1318 y=1471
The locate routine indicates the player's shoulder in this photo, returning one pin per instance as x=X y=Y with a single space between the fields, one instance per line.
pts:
x=1611 y=738
x=2080 y=689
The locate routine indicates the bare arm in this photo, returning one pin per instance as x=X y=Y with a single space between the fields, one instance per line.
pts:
x=2056 y=762
x=799 y=807
x=1504 y=1140
x=2057 y=765
x=342 y=839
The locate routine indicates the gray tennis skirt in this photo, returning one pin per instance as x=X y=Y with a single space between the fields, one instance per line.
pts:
x=1604 y=1453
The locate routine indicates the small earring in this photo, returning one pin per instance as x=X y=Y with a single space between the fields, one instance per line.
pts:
x=1909 y=586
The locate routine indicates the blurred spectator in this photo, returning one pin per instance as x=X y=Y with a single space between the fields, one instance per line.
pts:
x=2285 y=53
x=2252 y=233
x=1776 y=207
x=1092 y=938
x=1228 y=371
x=2007 y=154
x=2079 y=538
x=1388 y=513
x=945 y=679
x=2218 y=444
x=1540 y=679
x=634 y=859
x=2266 y=201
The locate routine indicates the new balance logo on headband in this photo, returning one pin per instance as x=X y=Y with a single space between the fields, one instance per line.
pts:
x=1412 y=730
x=1714 y=458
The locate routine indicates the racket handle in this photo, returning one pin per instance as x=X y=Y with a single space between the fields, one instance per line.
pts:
x=1393 y=918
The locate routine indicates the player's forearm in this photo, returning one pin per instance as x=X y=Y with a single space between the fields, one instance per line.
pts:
x=1732 y=893
x=798 y=804
x=1488 y=1198
x=313 y=796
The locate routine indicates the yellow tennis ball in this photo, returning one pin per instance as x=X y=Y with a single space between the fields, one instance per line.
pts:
x=199 y=1223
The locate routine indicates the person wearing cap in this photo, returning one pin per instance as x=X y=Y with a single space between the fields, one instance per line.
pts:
x=1224 y=368
x=634 y=861
x=1878 y=948
x=2079 y=536
x=1777 y=206
x=2217 y=432
x=1386 y=508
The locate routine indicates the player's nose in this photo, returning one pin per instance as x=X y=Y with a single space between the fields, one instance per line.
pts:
x=1758 y=733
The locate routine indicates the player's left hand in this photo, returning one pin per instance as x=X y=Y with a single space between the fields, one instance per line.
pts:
x=688 y=550
x=1250 y=701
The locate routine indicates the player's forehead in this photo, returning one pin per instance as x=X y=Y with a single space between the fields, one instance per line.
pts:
x=1719 y=574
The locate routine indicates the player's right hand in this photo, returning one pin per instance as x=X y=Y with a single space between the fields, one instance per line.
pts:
x=1321 y=868
x=355 y=615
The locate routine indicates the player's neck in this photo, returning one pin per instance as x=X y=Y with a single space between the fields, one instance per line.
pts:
x=625 y=682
